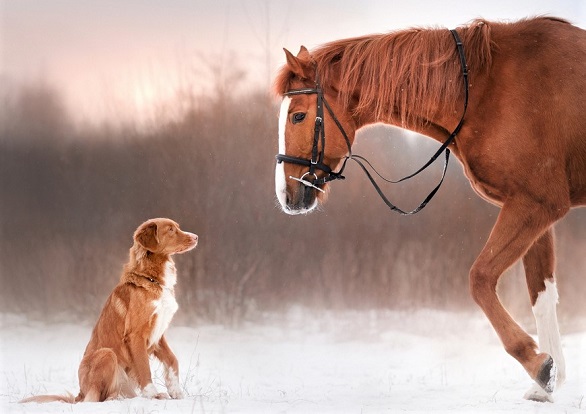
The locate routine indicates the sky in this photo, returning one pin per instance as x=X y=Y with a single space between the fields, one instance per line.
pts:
x=122 y=58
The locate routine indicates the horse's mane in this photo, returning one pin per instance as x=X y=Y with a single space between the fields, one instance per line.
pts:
x=394 y=71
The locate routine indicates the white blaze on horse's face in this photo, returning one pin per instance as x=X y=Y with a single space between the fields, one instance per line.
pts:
x=280 y=178
x=280 y=181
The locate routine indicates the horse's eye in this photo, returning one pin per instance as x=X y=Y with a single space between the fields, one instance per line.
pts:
x=298 y=117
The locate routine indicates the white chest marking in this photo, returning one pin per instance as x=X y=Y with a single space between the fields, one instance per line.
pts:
x=280 y=182
x=166 y=306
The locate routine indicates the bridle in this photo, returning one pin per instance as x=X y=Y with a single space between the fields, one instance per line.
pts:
x=317 y=157
x=316 y=162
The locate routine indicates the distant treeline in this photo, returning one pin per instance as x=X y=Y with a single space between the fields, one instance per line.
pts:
x=71 y=197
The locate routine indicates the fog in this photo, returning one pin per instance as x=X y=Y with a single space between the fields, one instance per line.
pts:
x=72 y=197
x=113 y=114
x=121 y=60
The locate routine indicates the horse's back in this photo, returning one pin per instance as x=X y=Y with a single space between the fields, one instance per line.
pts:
x=533 y=103
x=568 y=93
x=544 y=60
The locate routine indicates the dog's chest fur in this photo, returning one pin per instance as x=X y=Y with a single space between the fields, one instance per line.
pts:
x=166 y=306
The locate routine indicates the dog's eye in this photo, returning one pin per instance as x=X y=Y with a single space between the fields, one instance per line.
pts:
x=171 y=229
x=297 y=117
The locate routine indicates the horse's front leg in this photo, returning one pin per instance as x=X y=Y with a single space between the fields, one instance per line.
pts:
x=520 y=223
x=539 y=263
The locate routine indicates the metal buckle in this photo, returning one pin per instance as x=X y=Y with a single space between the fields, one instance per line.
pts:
x=307 y=183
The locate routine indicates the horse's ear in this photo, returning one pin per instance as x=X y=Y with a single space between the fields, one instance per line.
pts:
x=300 y=64
x=303 y=53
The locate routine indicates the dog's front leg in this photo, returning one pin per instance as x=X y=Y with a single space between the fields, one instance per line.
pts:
x=164 y=354
x=140 y=367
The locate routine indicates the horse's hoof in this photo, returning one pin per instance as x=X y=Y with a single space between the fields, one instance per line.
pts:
x=546 y=375
x=536 y=393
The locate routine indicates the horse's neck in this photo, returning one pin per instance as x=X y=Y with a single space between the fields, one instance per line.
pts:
x=431 y=104
x=439 y=128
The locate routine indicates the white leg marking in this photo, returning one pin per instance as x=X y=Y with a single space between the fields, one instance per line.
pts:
x=548 y=330
x=172 y=383
x=548 y=333
x=280 y=181
x=149 y=391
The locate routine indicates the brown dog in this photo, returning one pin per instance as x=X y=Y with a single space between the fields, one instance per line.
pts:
x=133 y=322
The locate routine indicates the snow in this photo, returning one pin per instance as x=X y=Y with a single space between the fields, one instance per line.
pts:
x=304 y=362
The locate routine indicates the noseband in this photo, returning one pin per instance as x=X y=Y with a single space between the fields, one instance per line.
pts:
x=319 y=135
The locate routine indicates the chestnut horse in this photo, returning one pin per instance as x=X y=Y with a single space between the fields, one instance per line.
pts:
x=522 y=142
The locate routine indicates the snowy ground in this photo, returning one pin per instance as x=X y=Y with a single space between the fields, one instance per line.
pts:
x=420 y=362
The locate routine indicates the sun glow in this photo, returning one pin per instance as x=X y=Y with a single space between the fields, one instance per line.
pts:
x=149 y=96
x=145 y=97
x=140 y=95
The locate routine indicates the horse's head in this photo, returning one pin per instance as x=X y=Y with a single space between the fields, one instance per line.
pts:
x=307 y=161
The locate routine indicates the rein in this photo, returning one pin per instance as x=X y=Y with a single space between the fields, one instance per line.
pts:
x=317 y=157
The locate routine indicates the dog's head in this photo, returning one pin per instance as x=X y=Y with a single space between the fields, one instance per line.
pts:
x=163 y=235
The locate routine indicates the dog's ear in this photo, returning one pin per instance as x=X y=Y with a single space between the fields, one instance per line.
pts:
x=147 y=237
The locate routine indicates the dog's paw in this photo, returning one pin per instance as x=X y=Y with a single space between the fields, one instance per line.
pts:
x=173 y=387
x=151 y=392
x=175 y=392
x=162 y=396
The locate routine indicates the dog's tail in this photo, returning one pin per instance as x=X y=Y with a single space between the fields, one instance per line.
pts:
x=40 y=399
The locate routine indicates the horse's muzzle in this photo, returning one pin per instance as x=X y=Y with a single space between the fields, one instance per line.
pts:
x=301 y=198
